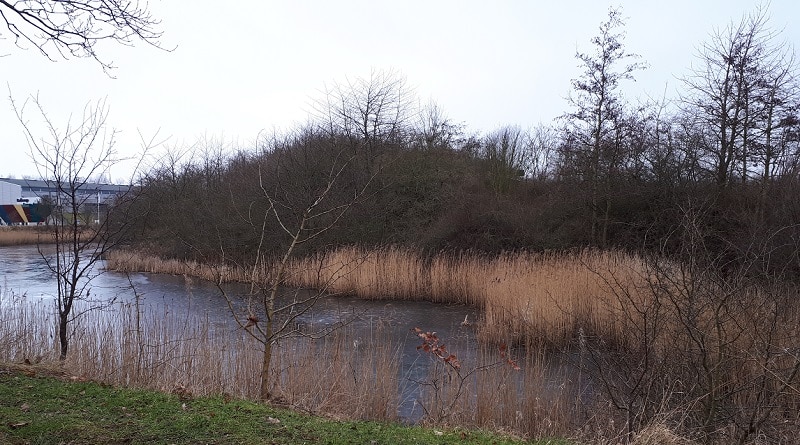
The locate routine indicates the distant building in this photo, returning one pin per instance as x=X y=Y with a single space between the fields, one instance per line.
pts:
x=34 y=188
x=20 y=199
x=9 y=192
x=14 y=209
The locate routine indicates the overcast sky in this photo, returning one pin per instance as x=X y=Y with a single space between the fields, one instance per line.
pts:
x=244 y=66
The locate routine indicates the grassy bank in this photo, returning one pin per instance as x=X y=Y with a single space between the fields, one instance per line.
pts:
x=47 y=409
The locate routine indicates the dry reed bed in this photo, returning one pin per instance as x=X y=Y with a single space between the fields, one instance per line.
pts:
x=749 y=333
x=547 y=296
x=22 y=235
x=27 y=235
x=192 y=355
x=552 y=298
x=543 y=296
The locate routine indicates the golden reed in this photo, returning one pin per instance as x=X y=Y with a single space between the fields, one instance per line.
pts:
x=342 y=375
x=539 y=296
x=547 y=297
x=21 y=235
x=28 y=235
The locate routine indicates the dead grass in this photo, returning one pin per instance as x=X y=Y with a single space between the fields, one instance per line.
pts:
x=548 y=297
x=537 y=400
x=334 y=375
x=22 y=235
x=659 y=434
x=524 y=296
x=27 y=235
x=136 y=261
x=193 y=356
x=604 y=301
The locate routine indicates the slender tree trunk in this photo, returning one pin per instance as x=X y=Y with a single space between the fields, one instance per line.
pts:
x=266 y=362
x=63 y=338
x=269 y=306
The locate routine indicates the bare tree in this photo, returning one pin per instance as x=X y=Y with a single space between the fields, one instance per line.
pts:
x=707 y=338
x=505 y=151
x=541 y=146
x=742 y=92
x=594 y=124
x=373 y=111
x=306 y=189
x=435 y=130
x=74 y=28
x=307 y=182
x=66 y=160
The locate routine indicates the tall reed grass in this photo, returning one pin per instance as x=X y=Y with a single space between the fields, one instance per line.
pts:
x=194 y=355
x=344 y=375
x=537 y=400
x=547 y=297
x=27 y=235
x=700 y=342
x=21 y=235
x=122 y=260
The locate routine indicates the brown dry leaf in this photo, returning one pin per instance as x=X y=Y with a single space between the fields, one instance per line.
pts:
x=25 y=408
x=14 y=426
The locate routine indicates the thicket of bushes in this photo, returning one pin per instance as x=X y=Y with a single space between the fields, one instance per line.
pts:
x=607 y=173
x=442 y=198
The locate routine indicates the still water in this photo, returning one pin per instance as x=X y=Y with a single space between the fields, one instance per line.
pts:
x=24 y=272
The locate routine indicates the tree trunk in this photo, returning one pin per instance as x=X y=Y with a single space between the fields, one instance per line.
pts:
x=63 y=339
x=269 y=309
x=265 y=364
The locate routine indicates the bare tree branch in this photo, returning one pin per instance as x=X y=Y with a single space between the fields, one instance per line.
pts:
x=74 y=28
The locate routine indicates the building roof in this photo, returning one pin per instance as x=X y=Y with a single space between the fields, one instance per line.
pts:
x=88 y=187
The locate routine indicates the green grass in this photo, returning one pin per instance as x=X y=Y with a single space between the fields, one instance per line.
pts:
x=50 y=410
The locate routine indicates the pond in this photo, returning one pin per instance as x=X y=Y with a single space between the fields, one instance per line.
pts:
x=24 y=272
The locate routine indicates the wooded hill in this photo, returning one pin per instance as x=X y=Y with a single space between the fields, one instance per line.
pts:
x=375 y=168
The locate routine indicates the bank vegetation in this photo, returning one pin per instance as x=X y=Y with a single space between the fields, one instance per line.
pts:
x=653 y=248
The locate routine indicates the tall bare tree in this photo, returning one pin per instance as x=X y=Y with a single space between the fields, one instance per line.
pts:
x=542 y=142
x=67 y=159
x=741 y=92
x=373 y=111
x=305 y=186
x=505 y=151
x=434 y=130
x=593 y=125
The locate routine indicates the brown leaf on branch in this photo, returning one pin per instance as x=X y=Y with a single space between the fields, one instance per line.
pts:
x=252 y=320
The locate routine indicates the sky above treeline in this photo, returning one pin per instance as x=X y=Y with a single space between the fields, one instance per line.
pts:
x=240 y=68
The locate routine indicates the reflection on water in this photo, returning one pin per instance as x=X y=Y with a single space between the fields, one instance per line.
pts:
x=24 y=272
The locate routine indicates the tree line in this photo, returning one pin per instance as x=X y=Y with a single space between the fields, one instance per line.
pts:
x=608 y=173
